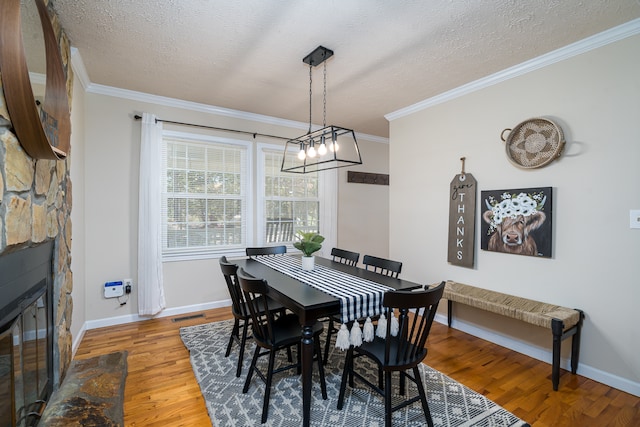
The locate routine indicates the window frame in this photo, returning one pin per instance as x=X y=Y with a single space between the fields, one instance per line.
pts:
x=327 y=198
x=209 y=251
x=255 y=197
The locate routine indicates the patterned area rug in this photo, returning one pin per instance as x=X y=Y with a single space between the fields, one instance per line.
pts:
x=91 y=394
x=451 y=403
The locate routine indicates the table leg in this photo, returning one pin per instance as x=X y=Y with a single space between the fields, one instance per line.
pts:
x=307 y=368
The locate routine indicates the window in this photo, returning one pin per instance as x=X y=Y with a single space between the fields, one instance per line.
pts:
x=288 y=202
x=205 y=200
x=210 y=207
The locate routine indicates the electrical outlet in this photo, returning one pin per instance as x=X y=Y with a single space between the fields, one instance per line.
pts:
x=128 y=285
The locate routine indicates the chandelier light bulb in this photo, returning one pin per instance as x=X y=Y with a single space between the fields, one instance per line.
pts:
x=334 y=142
x=311 y=152
x=322 y=150
x=301 y=153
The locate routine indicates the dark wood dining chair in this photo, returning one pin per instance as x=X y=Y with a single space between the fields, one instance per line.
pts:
x=345 y=257
x=240 y=310
x=399 y=353
x=279 y=230
x=267 y=250
x=382 y=265
x=273 y=334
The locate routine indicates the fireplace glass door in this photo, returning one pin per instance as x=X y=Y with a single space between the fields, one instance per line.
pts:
x=24 y=366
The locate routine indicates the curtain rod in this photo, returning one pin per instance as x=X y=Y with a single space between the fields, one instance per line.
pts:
x=254 y=134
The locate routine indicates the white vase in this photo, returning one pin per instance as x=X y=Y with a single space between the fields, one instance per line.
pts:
x=308 y=262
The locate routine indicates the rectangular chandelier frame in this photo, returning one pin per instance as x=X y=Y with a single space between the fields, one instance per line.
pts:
x=332 y=137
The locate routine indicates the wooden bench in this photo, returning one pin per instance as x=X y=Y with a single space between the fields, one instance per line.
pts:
x=563 y=322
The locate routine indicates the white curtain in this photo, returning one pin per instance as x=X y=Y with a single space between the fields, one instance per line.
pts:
x=150 y=284
x=329 y=208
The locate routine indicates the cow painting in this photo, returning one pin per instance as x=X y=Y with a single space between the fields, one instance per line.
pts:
x=513 y=220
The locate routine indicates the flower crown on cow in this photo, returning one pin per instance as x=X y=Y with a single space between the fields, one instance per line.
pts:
x=513 y=205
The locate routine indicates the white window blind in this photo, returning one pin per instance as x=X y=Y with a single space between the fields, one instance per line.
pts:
x=288 y=202
x=205 y=194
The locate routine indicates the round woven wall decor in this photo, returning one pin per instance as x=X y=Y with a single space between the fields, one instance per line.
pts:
x=534 y=143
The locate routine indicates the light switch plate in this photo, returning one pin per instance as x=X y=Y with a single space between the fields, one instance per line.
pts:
x=634 y=218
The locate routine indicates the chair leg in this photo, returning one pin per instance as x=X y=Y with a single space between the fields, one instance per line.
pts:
x=234 y=333
x=247 y=382
x=267 y=390
x=387 y=399
x=403 y=383
x=243 y=342
x=423 y=396
x=348 y=364
x=327 y=344
x=323 y=383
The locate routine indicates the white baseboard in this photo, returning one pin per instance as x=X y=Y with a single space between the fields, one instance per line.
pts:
x=130 y=318
x=78 y=339
x=543 y=355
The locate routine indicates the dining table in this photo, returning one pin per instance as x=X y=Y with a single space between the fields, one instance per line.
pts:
x=311 y=304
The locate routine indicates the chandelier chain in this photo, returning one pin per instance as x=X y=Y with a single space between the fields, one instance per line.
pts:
x=324 y=98
x=310 y=95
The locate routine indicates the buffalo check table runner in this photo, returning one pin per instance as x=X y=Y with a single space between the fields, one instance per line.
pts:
x=359 y=298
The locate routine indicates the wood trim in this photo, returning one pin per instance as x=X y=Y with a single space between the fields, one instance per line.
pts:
x=368 y=178
x=47 y=138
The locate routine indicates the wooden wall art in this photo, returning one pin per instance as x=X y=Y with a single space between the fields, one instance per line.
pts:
x=517 y=221
x=462 y=219
x=368 y=178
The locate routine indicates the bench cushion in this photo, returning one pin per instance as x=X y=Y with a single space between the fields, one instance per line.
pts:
x=530 y=311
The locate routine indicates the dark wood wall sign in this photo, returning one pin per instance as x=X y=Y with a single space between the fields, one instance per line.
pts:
x=368 y=178
x=44 y=132
x=462 y=219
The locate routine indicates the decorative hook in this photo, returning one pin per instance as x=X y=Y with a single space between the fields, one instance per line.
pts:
x=462 y=159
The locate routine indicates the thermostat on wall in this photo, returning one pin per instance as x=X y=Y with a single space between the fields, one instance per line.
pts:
x=113 y=289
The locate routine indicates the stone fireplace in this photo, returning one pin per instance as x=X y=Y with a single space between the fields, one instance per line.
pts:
x=35 y=208
x=26 y=334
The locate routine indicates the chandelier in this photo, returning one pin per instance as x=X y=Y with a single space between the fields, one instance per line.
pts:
x=331 y=146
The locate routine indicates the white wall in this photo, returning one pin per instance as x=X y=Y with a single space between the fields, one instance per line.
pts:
x=363 y=210
x=111 y=209
x=595 y=99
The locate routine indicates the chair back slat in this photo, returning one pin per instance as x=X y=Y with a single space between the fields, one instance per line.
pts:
x=409 y=343
x=345 y=257
x=255 y=293
x=267 y=250
x=238 y=305
x=279 y=230
x=382 y=266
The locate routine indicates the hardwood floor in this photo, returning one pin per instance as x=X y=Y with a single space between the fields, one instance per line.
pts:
x=161 y=389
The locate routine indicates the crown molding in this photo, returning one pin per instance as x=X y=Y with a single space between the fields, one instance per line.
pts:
x=615 y=34
x=89 y=87
x=79 y=70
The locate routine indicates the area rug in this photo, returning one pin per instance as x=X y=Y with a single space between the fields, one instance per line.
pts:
x=451 y=403
x=91 y=394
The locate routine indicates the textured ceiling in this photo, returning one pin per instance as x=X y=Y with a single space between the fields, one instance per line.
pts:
x=247 y=55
